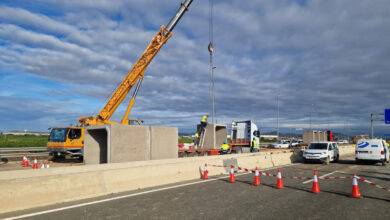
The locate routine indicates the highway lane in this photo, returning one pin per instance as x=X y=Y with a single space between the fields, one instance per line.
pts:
x=219 y=199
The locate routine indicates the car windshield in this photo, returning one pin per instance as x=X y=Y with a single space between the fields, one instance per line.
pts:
x=58 y=135
x=318 y=146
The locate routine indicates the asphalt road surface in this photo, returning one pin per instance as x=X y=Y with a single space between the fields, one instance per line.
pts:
x=218 y=199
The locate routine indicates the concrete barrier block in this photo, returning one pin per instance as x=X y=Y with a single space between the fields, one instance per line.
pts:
x=25 y=189
x=19 y=194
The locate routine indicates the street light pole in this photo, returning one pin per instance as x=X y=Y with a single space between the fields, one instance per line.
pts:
x=372 y=128
x=311 y=109
x=277 y=117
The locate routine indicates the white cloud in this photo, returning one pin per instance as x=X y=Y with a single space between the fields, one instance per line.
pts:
x=330 y=53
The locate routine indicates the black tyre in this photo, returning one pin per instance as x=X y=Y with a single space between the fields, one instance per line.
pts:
x=337 y=158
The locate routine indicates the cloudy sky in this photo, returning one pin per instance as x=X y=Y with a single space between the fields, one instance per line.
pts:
x=60 y=60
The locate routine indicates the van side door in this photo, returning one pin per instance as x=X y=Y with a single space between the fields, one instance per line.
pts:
x=331 y=151
x=336 y=149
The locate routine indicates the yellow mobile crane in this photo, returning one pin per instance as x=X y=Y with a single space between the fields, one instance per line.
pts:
x=70 y=140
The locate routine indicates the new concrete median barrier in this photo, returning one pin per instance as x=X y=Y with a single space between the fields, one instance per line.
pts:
x=25 y=189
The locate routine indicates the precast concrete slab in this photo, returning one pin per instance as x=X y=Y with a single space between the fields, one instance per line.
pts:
x=163 y=143
x=123 y=143
x=214 y=136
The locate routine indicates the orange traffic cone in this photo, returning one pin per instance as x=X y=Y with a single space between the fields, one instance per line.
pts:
x=279 y=183
x=232 y=178
x=48 y=164
x=257 y=179
x=35 y=166
x=316 y=187
x=205 y=172
x=355 y=188
x=70 y=165
x=25 y=163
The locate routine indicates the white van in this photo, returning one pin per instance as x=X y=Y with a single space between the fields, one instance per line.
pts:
x=324 y=152
x=372 y=150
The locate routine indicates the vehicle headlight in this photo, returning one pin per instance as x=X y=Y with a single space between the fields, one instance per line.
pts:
x=304 y=153
x=323 y=153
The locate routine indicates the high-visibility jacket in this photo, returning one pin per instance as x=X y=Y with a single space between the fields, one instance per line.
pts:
x=225 y=147
x=204 y=119
x=196 y=135
x=255 y=145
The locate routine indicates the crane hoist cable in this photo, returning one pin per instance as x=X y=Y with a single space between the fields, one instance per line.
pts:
x=211 y=98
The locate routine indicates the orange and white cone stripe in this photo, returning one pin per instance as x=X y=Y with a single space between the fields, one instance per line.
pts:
x=35 y=166
x=232 y=178
x=25 y=163
x=257 y=179
x=205 y=172
x=316 y=187
x=355 y=188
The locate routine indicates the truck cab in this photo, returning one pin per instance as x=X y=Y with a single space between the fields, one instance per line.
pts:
x=66 y=141
x=242 y=134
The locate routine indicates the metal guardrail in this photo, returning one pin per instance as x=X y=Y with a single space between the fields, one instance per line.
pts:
x=15 y=152
x=22 y=149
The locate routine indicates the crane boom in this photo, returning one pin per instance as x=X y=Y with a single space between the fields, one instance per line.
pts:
x=136 y=73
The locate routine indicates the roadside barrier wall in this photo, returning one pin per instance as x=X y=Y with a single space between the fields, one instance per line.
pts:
x=24 y=189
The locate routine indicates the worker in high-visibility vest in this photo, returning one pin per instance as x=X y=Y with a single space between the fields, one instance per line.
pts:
x=255 y=146
x=224 y=148
x=203 y=122
x=196 y=141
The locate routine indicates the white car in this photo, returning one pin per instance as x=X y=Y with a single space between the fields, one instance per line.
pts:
x=295 y=143
x=342 y=142
x=372 y=150
x=324 y=152
x=281 y=144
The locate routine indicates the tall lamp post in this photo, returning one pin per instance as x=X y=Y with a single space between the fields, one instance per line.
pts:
x=277 y=116
x=311 y=109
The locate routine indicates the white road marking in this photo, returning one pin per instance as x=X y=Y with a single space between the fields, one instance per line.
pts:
x=130 y=195
x=308 y=181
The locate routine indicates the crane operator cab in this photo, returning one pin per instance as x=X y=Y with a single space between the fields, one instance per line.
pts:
x=66 y=141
